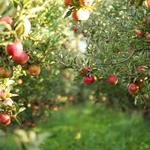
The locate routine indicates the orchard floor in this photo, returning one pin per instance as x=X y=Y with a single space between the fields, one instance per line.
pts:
x=93 y=127
x=97 y=128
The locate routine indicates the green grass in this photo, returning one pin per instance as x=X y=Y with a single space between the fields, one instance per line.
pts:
x=99 y=129
x=91 y=127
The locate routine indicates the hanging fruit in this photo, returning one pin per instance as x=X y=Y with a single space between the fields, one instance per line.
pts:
x=34 y=70
x=133 y=88
x=88 y=79
x=112 y=79
x=5 y=119
x=14 y=48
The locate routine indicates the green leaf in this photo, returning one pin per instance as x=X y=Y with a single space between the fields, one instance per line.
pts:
x=18 y=120
x=68 y=13
x=10 y=11
x=3 y=5
x=21 y=110
x=139 y=2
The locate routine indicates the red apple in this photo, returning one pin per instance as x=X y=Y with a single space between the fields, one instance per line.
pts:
x=139 y=32
x=8 y=73
x=5 y=119
x=34 y=70
x=81 y=14
x=148 y=3
x=68 y=2
x=141 y=69
x=31 y=124
x=132 y=88
x=74 y=15
x=147 y=36
x=88 y=80
x=21 y=59
x=15 y=48
x=75 y=29
x=2 y=72
x=9 y=122
x=112 y=79
x=85 y=70
x=7 y=20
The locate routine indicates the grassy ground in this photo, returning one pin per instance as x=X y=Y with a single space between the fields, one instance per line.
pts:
x=91 y=127
x=96 y=128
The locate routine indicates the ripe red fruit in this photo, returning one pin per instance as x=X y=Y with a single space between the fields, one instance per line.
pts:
x=74 y=15
x=31 y=124
x=7 y=123
x=139 y=32
x=2 y=72
x=85 y=70
x=112 y=79
x=21 y=59
x=68 y=2
x=75 y=29
x=88 y=80
x=148 y=3
x=5 y=119
x=81 y=14
x=34 y=70
x=15 y=48
x=7 y=20
x=141 y=69
x=5 y=73
x=132 y=88
x=8 y=73
x=147 y=36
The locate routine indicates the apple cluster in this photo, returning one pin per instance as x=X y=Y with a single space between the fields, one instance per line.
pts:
x=79 y=9
x=15 y=48
x=6 y=104
x=15 y=51
x=141 y=33
x=89 y=78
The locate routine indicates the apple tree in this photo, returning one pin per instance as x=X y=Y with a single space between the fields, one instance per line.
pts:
x=31 y=33
x=53 y=52
x=112 y=52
